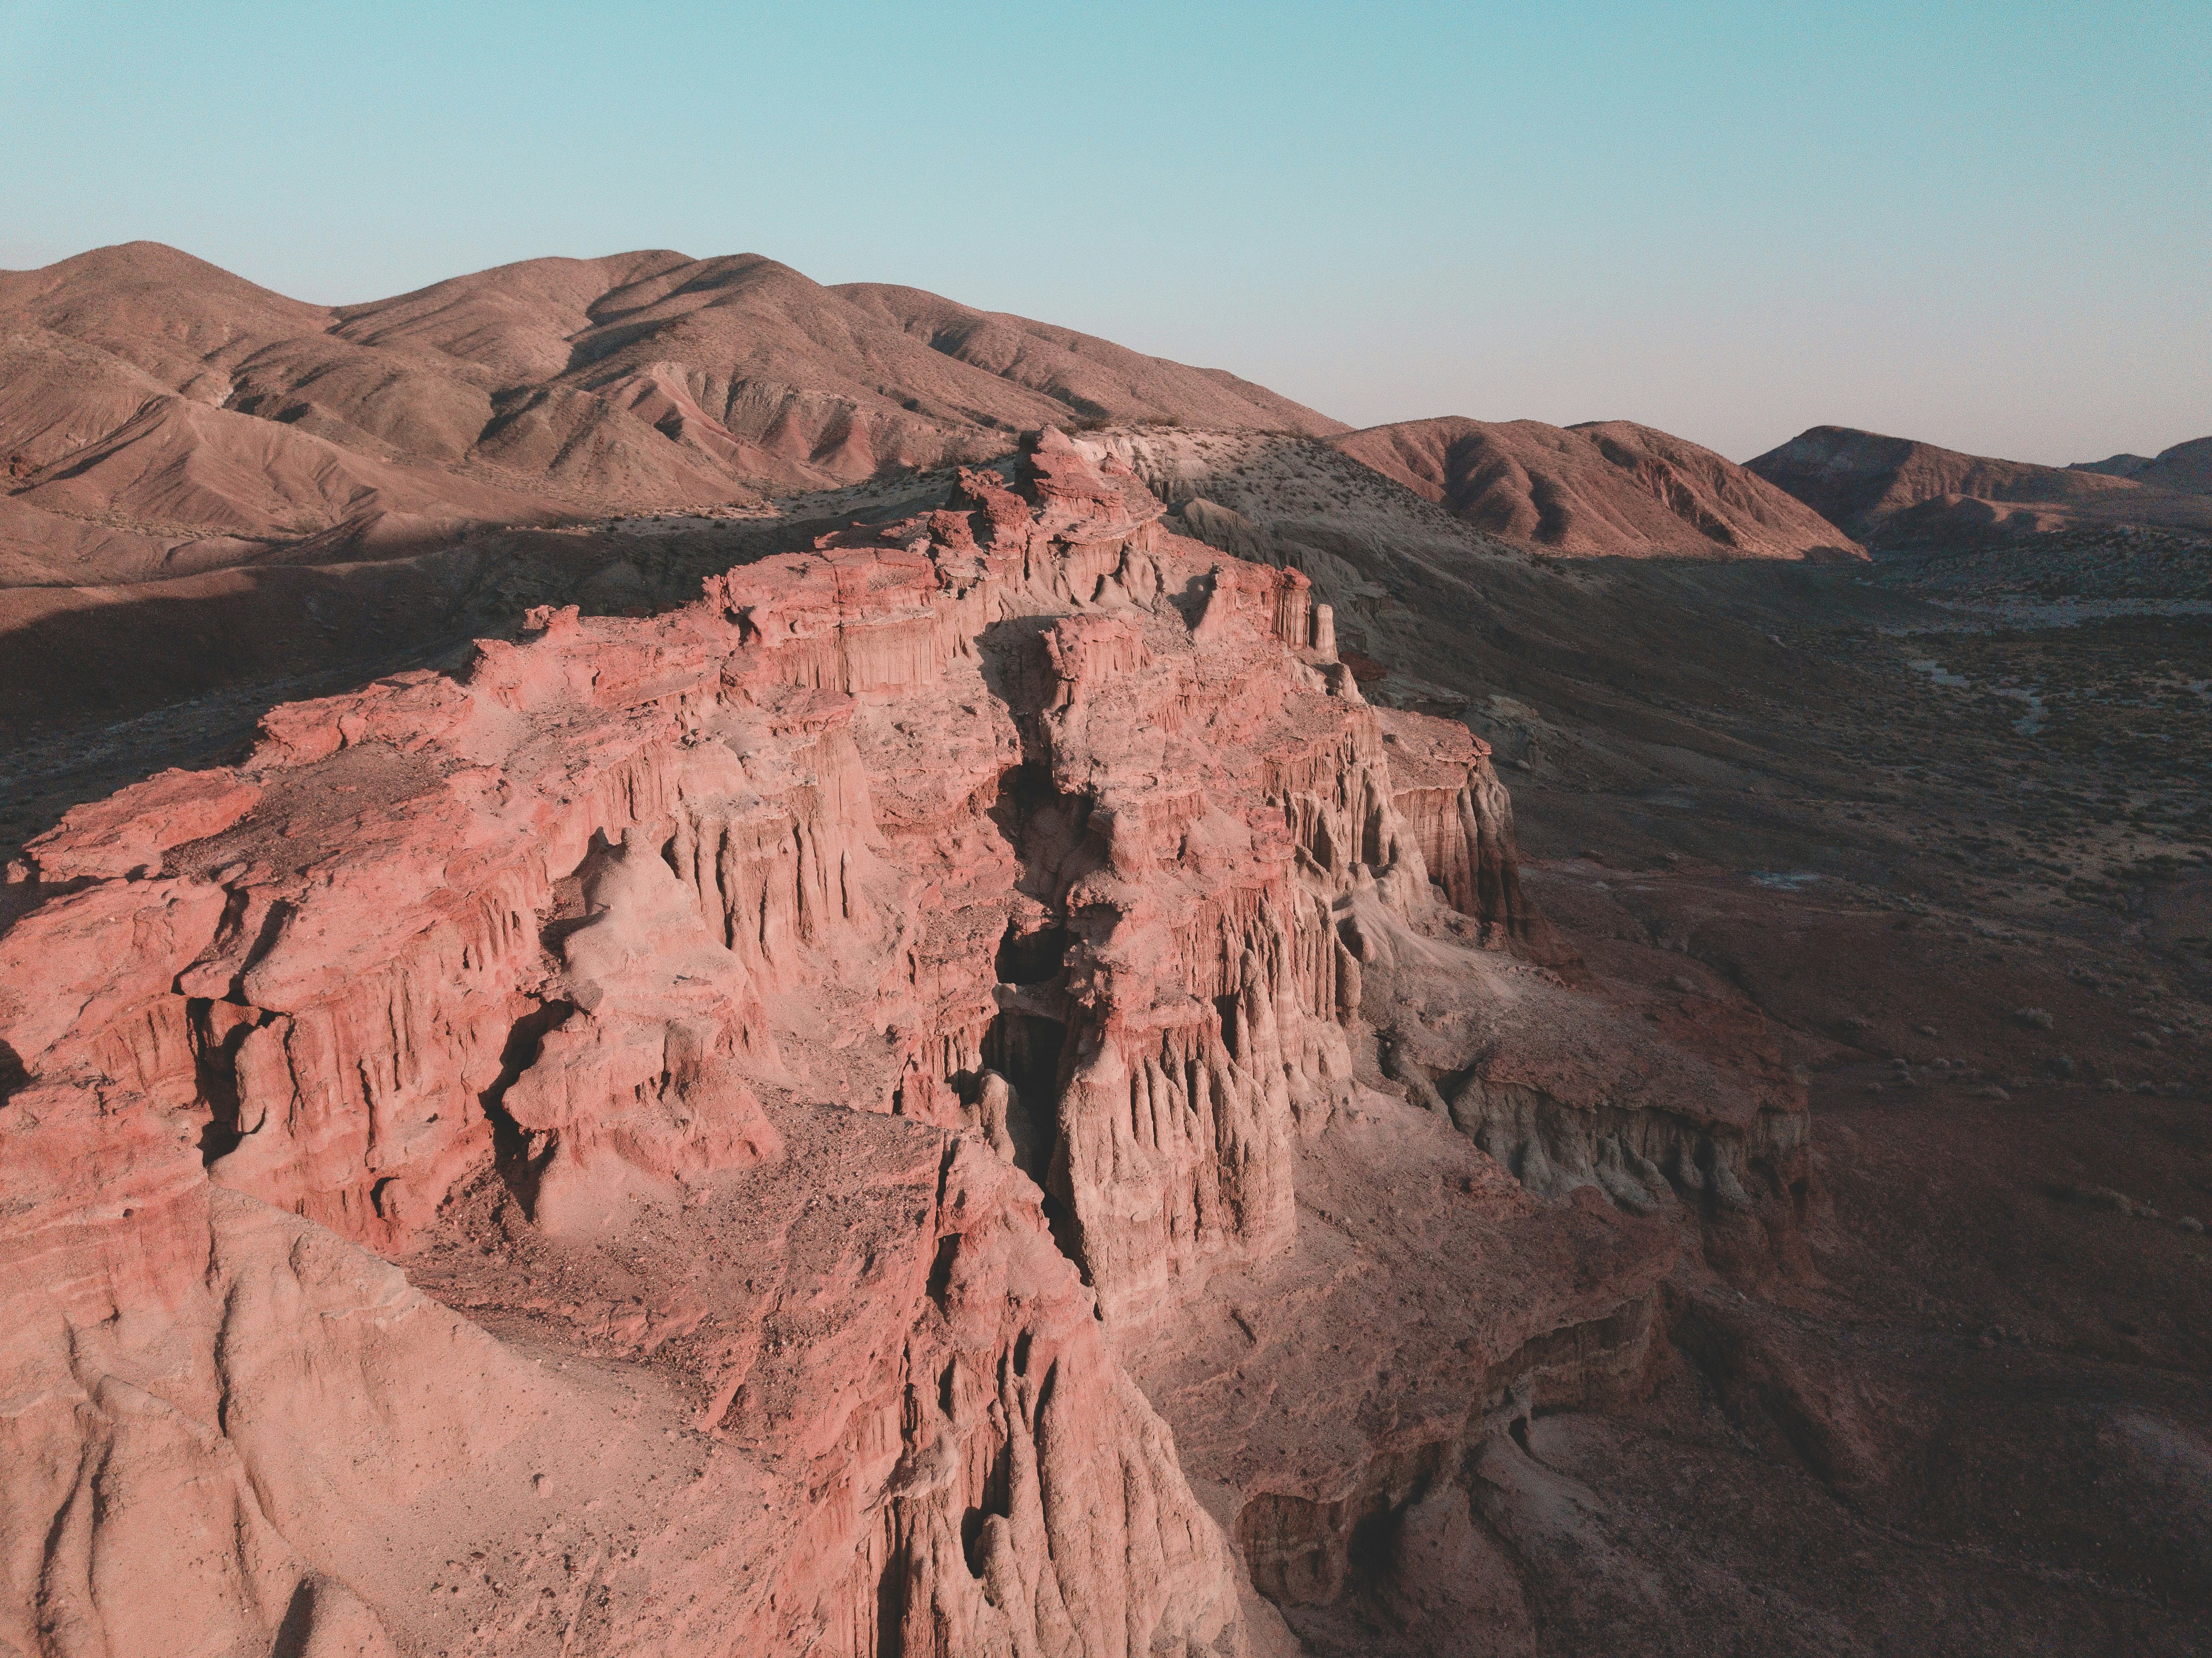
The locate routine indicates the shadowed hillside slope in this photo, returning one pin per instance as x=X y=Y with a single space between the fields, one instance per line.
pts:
x=2186 y=467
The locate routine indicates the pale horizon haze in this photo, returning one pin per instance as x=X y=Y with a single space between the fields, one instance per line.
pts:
x=1987 y=227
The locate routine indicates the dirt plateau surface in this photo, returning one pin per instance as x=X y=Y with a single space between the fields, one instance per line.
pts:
x=969 y=1091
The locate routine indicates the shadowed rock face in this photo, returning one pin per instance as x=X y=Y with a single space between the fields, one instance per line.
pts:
x=690 y=1135
x=2186 y=467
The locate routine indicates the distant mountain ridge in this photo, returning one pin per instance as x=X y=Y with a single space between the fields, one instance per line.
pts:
x=1606 y=488
x=1889 y=491
x=2122 y=465
x=2186 y=467
x=173 y=401
x=161 y=418
x=204 y=484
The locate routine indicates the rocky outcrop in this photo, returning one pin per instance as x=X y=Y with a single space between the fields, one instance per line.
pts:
x=921 y=1446
x=801 y=1043
x=643 y=1078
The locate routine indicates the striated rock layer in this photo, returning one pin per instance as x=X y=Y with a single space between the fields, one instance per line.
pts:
x=801 y=1052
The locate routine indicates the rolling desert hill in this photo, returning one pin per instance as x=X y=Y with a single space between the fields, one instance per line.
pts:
x=173 y=401
x=1608 y=488
x=2122 y=465
x=1897 y=492
x=2186 y=467
x=209 y=485
x=203 y=482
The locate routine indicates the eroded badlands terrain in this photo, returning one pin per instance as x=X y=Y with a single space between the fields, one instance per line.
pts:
x=817 y=1057
x=971 y=1091
x=980 y=1061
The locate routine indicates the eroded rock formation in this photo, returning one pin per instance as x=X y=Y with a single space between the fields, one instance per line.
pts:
x=811 y=1055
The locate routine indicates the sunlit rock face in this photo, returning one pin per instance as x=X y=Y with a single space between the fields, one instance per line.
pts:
x=688 y=1135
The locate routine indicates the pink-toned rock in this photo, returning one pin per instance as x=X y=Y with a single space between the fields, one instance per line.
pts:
x=85 y=979
x=127 y=833
x=642 y=1085
x=850 y=1009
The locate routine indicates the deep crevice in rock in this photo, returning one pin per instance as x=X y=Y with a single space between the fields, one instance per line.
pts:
x=1026 y=1049
x=1033 y=958
x=510 y=1142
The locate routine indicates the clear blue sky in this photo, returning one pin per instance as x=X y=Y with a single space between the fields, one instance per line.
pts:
x=1987 y=226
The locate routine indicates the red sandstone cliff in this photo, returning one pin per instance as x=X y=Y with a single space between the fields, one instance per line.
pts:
x=677 y=1138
